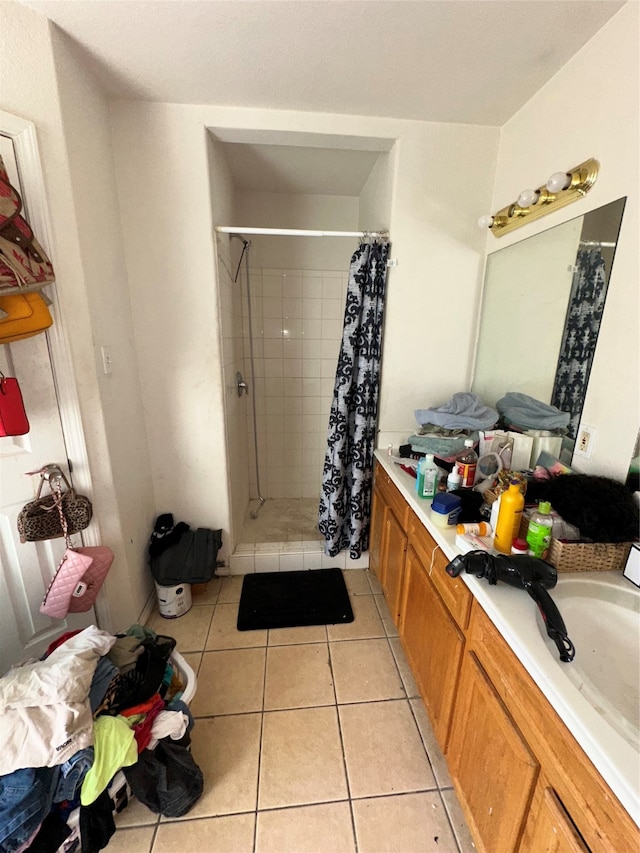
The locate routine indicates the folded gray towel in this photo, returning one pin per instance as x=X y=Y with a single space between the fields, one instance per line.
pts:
x=463 y=411
x=527 y=412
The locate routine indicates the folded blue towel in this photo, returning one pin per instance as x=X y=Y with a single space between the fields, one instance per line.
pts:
x=463 y=411
x=527 y=412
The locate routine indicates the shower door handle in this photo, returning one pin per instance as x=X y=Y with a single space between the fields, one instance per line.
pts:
x=241 y=385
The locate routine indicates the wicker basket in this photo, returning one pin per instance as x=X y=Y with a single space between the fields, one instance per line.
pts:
x=588 y=556
x=583 y=556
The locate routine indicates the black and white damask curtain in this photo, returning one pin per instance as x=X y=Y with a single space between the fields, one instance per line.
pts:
x=345 y=501
x=582 y=324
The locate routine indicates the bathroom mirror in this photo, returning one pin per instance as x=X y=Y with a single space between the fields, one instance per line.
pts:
x=542 y=303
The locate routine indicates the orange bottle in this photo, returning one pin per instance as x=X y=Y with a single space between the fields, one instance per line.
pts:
x=509 y=516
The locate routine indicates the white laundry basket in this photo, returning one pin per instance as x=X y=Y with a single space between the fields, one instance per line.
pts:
x=173 y=601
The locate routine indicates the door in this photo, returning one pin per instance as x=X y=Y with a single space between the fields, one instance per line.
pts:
x=26 y=569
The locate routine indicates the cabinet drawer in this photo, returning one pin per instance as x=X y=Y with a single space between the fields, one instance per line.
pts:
x=391 y=496
x=453 y=591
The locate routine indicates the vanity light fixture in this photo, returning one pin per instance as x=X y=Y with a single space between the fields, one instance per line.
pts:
x=562 y=188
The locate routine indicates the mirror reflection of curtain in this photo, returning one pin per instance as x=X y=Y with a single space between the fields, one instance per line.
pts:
x=345 y=501
x=582 y=324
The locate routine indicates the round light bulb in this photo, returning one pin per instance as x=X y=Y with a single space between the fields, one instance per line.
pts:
x=558 y=181
x=485 y=221
x=527 y=198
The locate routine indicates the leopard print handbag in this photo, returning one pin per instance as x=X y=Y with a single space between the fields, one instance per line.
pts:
x=40 y=519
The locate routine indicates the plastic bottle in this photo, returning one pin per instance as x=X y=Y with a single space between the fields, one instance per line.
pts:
x=519 y=546
x=540 y=529
x=466 y=464
x=454 y=480
x=509 y=516
x=420 y=477
x=478 y=528
x=431 y=474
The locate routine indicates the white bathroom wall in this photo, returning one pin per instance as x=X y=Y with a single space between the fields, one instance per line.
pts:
x=443 y=181
x=43 y=82
x=590 y=109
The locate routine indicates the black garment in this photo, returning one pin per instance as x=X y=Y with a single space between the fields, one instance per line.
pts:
x=97 y=824
x=167 y=779
x=52 y=833
x=179 y=555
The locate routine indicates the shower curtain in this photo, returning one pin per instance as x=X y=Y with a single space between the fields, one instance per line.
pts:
x=345 y=501
x=582 y=324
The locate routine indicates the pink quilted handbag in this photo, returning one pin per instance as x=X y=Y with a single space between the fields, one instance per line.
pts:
x=77 y=581
x=67 y=582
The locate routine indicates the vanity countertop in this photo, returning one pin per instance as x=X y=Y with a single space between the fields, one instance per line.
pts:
x=513 y=613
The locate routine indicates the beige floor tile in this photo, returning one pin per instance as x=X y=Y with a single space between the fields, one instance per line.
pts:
x=385 y=615
x=224 y=634
x=135 y=814
x=210 y=594
x=190 y=630
x=409 y=823
x=364 y=670
x=128 y=840
x=230 y=682
x=227 y=750
x=298 y=677
x=305 y=634
x=356 y=581
x=460 y=828
x=437 y=759
x=325 y=828
x=230 y=590
x=230 y=834
x=301 y=759
x=366 y=623
x=406 y=675
x=374 y=583
x=383 y=749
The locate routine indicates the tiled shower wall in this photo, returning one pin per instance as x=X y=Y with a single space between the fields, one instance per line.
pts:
x=297 y=320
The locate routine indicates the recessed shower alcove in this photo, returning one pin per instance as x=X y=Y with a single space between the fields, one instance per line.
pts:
x=282 y=302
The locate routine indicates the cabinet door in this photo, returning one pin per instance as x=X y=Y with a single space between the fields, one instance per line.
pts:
x=394 y=546
x=494 y=771
x=433 y=642
x=376 y=530
x=550 y=829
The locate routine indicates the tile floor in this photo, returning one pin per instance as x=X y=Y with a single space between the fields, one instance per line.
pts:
x=311 y=740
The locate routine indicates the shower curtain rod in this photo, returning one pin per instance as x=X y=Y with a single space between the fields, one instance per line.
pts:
x=298 y=232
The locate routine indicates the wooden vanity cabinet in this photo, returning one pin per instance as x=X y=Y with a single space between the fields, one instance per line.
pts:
x=507 y=739
x=524 y=783
x=432 y=630
x=388 y=539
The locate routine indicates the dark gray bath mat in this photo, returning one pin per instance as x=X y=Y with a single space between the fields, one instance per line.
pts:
x=293 y=599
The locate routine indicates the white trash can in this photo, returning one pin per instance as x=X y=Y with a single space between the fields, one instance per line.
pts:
x=174 y=601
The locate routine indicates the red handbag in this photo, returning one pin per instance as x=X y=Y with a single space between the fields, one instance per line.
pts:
x=13 y=418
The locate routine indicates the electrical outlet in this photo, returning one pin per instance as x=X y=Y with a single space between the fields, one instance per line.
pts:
x=585 y=441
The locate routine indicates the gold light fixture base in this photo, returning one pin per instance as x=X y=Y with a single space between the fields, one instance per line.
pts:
x=583 y=177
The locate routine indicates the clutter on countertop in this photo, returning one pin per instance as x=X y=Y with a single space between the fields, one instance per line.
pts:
x=72 y=720
x=603 y=509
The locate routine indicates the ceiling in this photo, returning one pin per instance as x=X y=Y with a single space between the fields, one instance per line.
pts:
x=460 y=61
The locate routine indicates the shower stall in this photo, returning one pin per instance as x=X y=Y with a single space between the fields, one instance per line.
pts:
x=281 y=334
x=282 y=297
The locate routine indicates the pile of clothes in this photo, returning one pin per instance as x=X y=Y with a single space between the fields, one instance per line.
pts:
x=94 y=704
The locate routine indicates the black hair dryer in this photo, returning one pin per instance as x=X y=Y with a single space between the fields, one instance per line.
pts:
x=523 y=572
